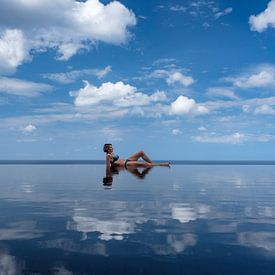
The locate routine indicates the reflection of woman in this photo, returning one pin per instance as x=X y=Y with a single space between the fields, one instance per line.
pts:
x=113 y=160
x=108 y=180
x=139 y=174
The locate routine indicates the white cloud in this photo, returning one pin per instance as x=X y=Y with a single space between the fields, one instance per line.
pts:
x=184 y=105
x=67 y=26
x=206 y=25
x=202 y=128
x=20 y=87
x=213 y=138
x=264 y=137
x=264 y=109
x=259 y=76
x=258 y=80
x=29 y=128
x=72 y=76
x=222 y=92
x=178 y=77
x=263 y=20
x=101 y=73
x=178 y=8
x=222 y=13
x=12 y=50
x=246 y=105
x=111 y=134
x=205 y=9
x=159 y=73
x=26 y=140
x=172 y=77
x=118 y=94
x=176 y=132
x=163 y=61
x=246 y=108
x=260 y=106
x=67 y=50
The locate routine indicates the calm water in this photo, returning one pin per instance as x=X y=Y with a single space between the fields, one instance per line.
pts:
x=187 y=219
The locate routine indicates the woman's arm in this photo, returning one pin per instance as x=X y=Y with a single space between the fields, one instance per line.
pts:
x=108 y=165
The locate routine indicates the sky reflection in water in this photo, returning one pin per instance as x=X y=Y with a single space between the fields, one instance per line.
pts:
x=196 y=219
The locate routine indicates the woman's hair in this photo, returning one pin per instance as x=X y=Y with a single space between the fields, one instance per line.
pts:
x=106 y=147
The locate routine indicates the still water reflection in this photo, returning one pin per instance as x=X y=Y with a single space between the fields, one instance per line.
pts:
x=187 y=219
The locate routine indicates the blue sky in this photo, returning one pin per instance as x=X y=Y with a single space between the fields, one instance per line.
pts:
x=192 y=80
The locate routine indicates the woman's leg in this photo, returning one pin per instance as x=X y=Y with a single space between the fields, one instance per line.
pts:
x=138 y=155
x=135 y=163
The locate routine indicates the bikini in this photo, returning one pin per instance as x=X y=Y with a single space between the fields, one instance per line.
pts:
x=125 y=163
x=114 y=159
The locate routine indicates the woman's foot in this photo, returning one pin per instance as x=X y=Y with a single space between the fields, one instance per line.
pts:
x=164 y=164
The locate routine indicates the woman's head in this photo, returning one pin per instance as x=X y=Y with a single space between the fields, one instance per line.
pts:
x=107 y=147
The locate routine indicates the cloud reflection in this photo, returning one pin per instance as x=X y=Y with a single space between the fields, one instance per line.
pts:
x=184 y=213
x=175 y=244
x=109 y=229
x=265 y=240
x=9 y=265
x=22 y=230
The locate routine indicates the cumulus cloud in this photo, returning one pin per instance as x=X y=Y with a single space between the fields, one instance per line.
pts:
x=172 y=77
x=29 y=128
x=20 y=87
x=261 y=77
x=264 y=19
x=72 y=76
x=13 y=50
x=178 y=77
x=184 y=106
x=118 y=94
x=67 y=26
x=214 y=138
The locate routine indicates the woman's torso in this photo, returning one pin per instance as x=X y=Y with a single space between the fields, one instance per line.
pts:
x=115 y=161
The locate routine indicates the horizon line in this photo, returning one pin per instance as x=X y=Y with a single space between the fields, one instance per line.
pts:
x=175 y=162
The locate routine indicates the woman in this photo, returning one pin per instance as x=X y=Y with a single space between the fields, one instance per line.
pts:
x=113 y=160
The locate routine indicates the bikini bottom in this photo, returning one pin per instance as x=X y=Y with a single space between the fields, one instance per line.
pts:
x=125 y=163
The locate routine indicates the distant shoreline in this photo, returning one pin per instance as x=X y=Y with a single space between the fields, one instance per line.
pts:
x=173 y=162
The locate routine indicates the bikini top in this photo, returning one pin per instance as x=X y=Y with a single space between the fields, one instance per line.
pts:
x=114 y=158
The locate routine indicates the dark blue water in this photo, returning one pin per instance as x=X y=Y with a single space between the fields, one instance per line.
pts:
x=187 y=219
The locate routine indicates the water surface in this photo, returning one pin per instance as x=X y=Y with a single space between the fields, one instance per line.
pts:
x=187 y=219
